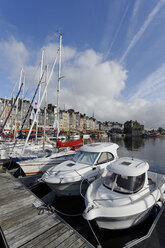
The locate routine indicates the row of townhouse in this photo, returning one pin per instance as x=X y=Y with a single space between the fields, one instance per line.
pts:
x=17 y=115
x=76 y=122
x=69 y=120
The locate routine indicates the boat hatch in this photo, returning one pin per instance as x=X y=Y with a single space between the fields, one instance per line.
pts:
x=126 y=163
x=70 y=164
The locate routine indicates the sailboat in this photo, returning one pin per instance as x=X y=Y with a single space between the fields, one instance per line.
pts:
x=62 y=150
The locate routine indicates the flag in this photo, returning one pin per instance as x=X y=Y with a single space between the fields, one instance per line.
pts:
x=36 y=107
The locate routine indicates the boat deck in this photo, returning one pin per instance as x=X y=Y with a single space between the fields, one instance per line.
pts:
x=23 y=225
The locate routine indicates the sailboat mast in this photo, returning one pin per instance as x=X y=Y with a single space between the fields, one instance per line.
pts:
x=22 y=102
x=39 y=105
x=44 y=134
x=16 y=113
x=39 y=90
x=58 y=88
x=1 y=131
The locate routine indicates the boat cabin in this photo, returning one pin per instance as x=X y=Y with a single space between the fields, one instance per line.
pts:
x=126 y=175
x=97 y=153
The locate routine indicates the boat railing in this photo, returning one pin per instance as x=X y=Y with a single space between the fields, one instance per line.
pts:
x=137 y=241
x=3 y=239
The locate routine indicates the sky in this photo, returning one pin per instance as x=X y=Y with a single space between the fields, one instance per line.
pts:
x=112 y=58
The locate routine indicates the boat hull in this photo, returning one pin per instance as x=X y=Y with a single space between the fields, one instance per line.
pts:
x=114 y=211
x=40 y=166
x=69 y=189
x=122 y=222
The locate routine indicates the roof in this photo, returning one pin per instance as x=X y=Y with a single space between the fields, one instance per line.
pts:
x=100 y=147
x=127 y=166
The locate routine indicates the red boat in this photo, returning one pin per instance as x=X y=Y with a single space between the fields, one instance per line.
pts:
x=74 y=145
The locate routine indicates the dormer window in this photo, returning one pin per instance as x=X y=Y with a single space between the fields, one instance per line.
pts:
x=123 y=184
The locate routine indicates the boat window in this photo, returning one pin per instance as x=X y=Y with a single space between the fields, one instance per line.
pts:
x=105 y=157
x=109 y=179
x=110 y=156
x=76 y=156
x=85 y=157
x=123 y=184
x=102 y=158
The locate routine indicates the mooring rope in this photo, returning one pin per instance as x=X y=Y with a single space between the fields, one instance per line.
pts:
x=99 y=246
x=52 y=210
x=83 y=179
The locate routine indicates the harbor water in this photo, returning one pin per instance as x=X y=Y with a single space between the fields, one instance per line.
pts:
x=70 y=208
x=151 y=150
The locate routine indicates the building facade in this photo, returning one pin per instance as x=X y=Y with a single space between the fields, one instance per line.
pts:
x=133 y=128
x=69 y=120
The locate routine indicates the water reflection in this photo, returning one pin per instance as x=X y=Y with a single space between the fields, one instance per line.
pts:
x=151 y=150
x=134 y=143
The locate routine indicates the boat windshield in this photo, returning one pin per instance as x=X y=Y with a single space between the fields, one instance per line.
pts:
x=85 y=157
x=123 y=184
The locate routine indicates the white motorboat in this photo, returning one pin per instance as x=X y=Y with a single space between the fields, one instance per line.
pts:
x=74 y=137
x=125 y=196
x=86 y=136
x=72 y=177
x=62 y=138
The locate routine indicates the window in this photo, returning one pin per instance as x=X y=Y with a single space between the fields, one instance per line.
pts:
x=61 y=115
x=85 y=157
x=109 y=179
x=123 y=184
x=110 y=156
x=105 y=157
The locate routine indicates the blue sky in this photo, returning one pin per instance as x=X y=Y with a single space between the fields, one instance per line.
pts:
x=113 y=54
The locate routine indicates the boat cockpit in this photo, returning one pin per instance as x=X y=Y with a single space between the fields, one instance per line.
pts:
x=91 y=158
x=123 y=184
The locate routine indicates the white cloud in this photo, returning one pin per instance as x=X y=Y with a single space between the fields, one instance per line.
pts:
x=13 y=55
x=90 y=84
x=90 y=81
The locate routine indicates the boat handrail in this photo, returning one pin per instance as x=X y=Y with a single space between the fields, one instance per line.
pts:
x=137 y=241
x=4 y=241
x=82 y=175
